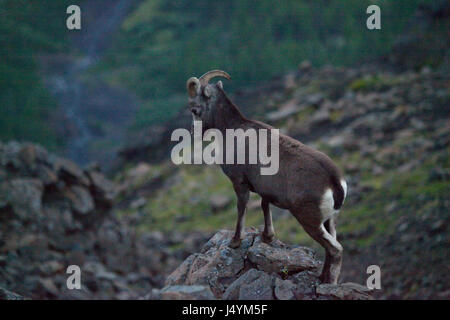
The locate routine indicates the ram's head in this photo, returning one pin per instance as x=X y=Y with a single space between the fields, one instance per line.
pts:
x=203 y=96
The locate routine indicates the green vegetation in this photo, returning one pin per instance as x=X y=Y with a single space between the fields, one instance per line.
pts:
x=374 y=83
x=187 y=204
x=27 y=29
x=162 y=43
x=388 y=198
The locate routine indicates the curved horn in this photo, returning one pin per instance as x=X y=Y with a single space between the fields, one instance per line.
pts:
x=193 y=86
x=204 y=79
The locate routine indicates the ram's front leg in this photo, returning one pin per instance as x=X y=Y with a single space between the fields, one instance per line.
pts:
x=242 y=193
x=268 y=234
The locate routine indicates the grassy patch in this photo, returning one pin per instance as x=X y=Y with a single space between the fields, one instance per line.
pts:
x=393 y=195
x=184 y=204
x=304 y=115
x=374 y=83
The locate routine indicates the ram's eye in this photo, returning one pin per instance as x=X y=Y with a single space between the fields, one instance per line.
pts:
x=207 y=92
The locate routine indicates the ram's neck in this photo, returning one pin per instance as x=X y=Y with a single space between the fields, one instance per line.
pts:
x=227 y=115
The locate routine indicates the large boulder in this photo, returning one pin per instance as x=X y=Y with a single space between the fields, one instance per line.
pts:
x=22 y=195
x=34 y=182
x=280 y=258
x=344 y=291
x=80 y=200
x=70 y=172
x=252 y=285
x=258 y=271
x=103 y=190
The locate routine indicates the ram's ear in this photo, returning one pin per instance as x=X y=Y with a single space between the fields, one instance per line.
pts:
x=207 y=91
x=219 y=84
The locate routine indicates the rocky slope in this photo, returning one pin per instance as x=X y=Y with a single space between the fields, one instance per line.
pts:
x=54 y=214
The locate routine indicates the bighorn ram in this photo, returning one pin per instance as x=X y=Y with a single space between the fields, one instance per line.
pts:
x=308 y=183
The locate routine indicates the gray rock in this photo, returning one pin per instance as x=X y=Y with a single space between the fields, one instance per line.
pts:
x=305 y=66
x=80 y=200
x=320 y=117
x=104 y=190
x=193 y=292
x=284 y=289
x=219 y=202
x=258 y=271
x=48 y=286
x=233 y=291
x=70 y=172
x=344 y=291
x=252 y=285
x=288 y=109
x=23 y=195
x=260 y=289
x=314 y=99
x=46 y=175
x=180 y=274
x=9 y=155
x=279 y=258
x=217 y=266
x=228 y=272
x=306 y=283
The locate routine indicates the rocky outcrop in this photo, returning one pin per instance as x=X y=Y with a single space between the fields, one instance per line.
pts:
x=255 y=271
x=54 y=214
x=33 y=180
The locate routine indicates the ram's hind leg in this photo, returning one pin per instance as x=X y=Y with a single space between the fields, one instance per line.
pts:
x=330 y=227
x=242 y=193
x=333 y=250
x=268 y=234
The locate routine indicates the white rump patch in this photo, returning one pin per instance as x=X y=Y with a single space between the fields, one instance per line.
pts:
x=327 y=202
x=327 y=205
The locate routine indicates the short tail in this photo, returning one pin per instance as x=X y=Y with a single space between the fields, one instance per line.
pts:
x=339 y=191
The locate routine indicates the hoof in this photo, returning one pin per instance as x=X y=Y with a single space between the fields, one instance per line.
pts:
x=267 y=238
x=235 y=243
